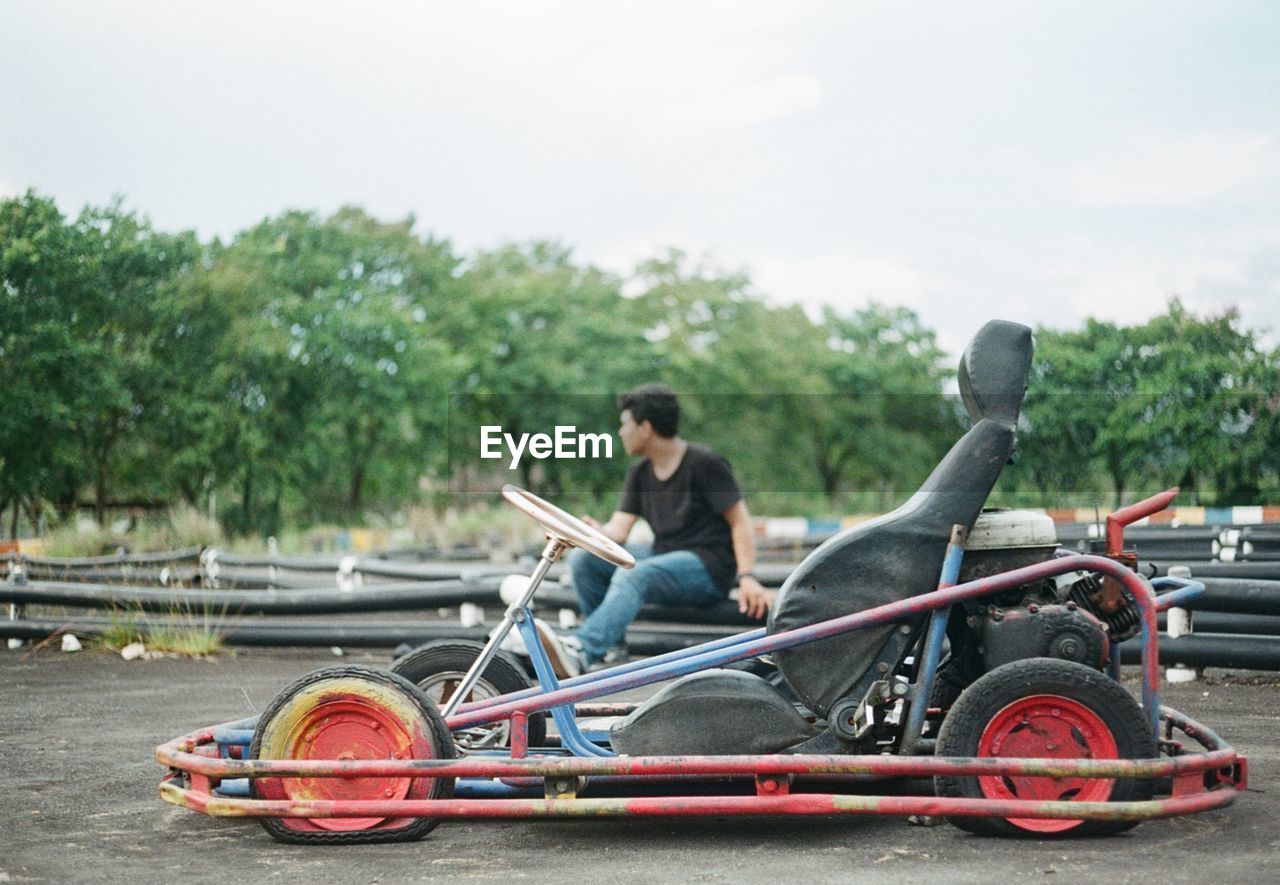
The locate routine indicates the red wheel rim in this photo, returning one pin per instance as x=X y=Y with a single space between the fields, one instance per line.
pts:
x=347 y=726
x=1047 y=727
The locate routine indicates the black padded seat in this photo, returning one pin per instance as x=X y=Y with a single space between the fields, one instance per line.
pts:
x=900 y=554
x=712 y=713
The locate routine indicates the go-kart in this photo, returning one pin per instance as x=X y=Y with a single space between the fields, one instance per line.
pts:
x=938 y=641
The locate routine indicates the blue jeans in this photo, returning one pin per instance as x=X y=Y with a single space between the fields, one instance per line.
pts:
x=611 y=597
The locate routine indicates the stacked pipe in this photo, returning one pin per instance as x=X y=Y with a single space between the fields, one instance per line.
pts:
x=170 y=566
x=439 y=587
x=1184 y=543
x=1250 y=544
x=1187 y=544
x=211 y=567
x=1236 y=622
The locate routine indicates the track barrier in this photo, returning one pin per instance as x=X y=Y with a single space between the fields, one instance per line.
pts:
x=261 y=599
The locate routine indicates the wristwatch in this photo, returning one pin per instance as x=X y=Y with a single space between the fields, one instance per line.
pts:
x=742 y=575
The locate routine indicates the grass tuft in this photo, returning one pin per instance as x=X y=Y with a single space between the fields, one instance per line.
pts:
x=183 y=633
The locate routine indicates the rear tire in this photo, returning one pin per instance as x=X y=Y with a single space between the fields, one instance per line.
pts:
x=438 y=667
x=1043 y=707
x=350 y=713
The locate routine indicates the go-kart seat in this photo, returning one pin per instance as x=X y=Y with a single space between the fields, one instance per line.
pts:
x=900 y=554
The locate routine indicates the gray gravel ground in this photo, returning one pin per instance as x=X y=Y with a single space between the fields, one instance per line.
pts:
x=78 y=803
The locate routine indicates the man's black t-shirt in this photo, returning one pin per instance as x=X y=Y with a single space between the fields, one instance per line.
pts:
x=685 y=510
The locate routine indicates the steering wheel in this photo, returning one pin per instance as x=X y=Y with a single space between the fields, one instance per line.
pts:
x=568 y=528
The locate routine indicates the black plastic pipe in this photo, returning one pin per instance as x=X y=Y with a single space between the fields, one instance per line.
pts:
x=178 y=574
x=383 y=597
x=1239 y=595
x=1212 y=650
x=185 y=554
x=371 y=634
x=1258 y=571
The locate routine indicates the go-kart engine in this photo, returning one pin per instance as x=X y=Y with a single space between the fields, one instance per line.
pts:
x=1043 y=631
x=1036 y=620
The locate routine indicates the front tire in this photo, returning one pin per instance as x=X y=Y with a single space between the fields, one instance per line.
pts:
x=1045 y=708
x=350 y=713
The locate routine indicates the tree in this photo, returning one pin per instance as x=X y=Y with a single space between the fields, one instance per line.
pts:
x=808 y=410
x=1075 y=376
x=82 y=302
x=1178 y=400
x=39 y=355
x=322 y=365
x=117 y=395
x=1205 y=404
x=889 y=422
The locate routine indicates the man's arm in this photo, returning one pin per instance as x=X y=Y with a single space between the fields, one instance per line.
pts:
x=753 y=599
x=618 y=528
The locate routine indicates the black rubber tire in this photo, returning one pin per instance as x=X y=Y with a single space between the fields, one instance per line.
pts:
x=979 y=704
x=430 y=724
x=503 y=675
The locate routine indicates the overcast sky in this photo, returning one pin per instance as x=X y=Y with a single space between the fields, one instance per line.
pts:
x=1032 y=161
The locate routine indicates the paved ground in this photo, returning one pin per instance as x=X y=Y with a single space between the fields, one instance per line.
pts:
x=78 y=803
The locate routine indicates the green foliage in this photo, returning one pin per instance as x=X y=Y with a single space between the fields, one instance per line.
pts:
x=825 y=413
x=179 y=527
x=886 y=425
x=336 y=370
x=125 y=628
x=312 y=357
x=40 y=354
x=192 y=639
x=181 y=633
x=1180 y=400
x=80 y=303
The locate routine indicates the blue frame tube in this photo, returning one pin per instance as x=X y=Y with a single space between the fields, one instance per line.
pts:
x=932 y=652
x=571 y=736
x=1181 y=592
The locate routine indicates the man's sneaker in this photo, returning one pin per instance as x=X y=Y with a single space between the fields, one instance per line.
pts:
x=567 y=656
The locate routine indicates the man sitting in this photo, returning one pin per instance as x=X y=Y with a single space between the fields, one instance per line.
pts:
x=702 y=541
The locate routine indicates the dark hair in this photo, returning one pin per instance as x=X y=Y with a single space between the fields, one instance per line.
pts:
x=655 y=403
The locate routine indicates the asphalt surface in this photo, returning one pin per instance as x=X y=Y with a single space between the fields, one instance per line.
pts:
x=78 y=803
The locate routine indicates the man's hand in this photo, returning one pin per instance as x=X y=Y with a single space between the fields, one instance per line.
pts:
x=753 y=599
x=617 y=529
